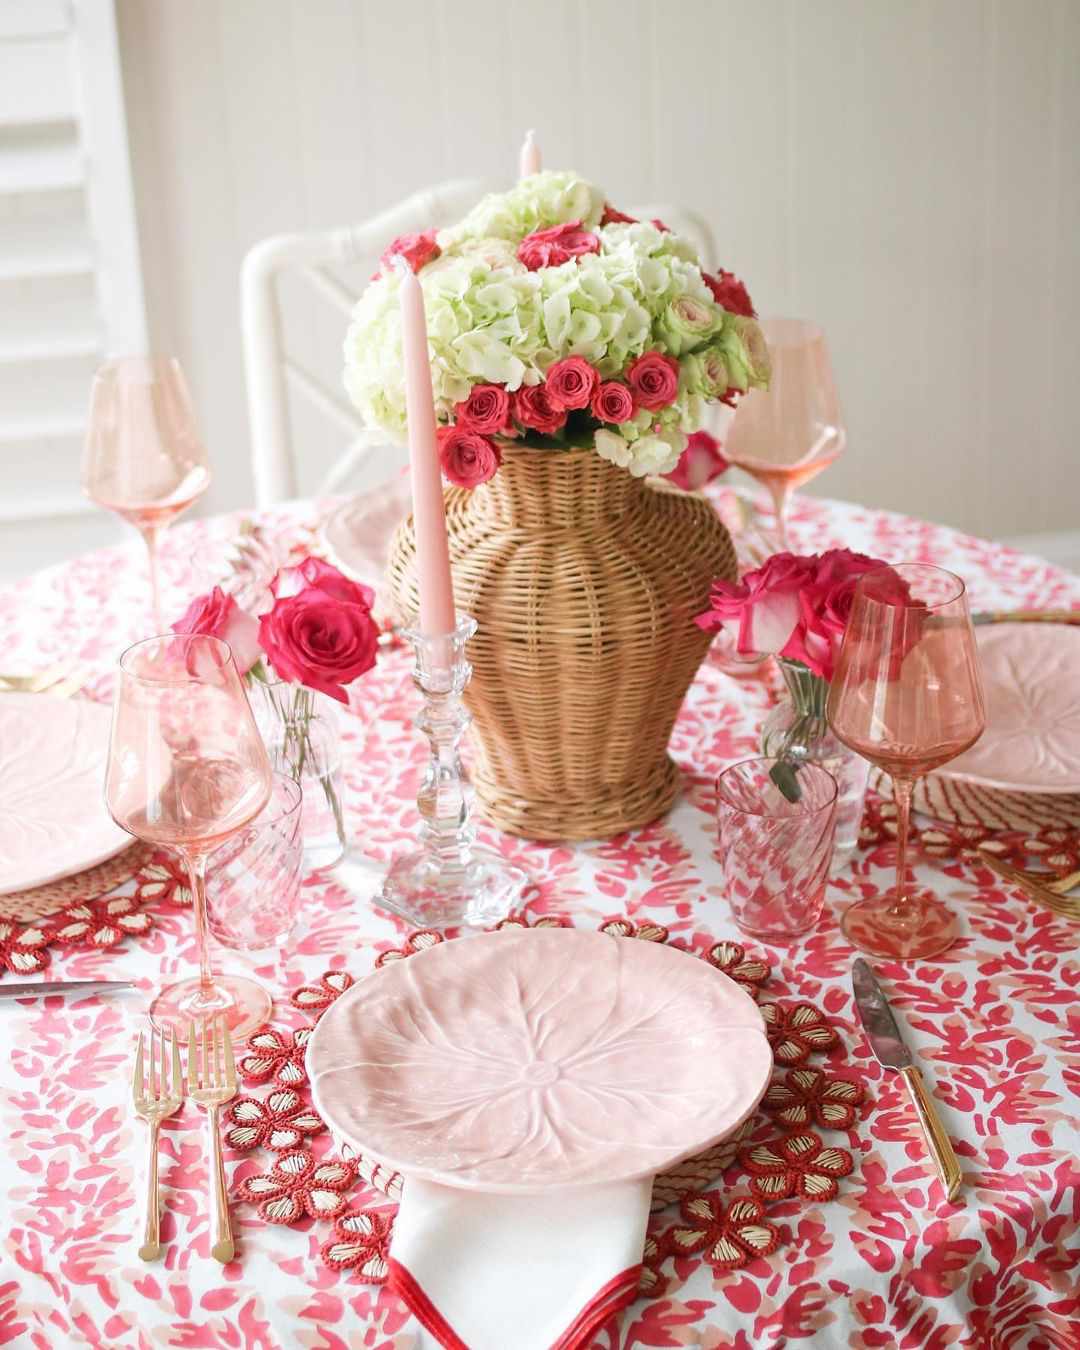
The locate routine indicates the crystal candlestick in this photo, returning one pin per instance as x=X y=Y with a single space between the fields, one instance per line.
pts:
x=448 y=880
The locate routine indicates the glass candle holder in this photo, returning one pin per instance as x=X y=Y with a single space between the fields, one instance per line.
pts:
x=775 y=854
x=448 y=880
x=253 y=880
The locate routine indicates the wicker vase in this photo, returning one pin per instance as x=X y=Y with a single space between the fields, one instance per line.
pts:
x=584 y=582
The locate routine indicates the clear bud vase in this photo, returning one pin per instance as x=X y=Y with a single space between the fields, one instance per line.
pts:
x=303 y=739
x=797 y=732
x=448 y=880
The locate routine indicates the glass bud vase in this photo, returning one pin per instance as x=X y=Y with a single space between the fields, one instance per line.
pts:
x=797 y=731
x=300 y=729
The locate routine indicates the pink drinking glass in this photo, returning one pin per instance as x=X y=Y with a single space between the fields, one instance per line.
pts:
x=188 y=769
x=143 y=457
x=906 y=695
x=775 y=854
x=253 y=879
x=787 y=434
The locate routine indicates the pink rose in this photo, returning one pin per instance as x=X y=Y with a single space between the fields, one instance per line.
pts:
x=613 y=217
x=416 y=249
x=556 y=245
x=218 y=615
x=321 y=635
x=654 y=379
x=467 y=458
x=613 y=402
x=730 y=294
x=571 y=382
x=534 y=409
x=763 y=609
x=699 y=463
x=486 y=410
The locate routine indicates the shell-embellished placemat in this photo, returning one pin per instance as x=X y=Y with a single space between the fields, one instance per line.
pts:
x=959 y=803
x=777 y=1154
x=40 y=902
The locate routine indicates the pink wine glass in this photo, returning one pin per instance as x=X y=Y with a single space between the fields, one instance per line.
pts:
x=188 y=770
x=143 y=457
x=907 y=696
x=787 y=434
x=775 y=853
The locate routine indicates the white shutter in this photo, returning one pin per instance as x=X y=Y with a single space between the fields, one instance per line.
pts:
x=70 y=282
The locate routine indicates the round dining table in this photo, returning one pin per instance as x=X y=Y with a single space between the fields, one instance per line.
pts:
x=994 y=1023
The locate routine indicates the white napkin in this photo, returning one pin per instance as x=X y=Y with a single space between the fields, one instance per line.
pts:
x=536 y=1272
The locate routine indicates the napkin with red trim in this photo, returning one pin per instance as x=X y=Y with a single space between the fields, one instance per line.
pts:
x=538 y=1272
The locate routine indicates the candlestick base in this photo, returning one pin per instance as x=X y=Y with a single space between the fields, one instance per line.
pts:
x=476 y=894
x=447 y=881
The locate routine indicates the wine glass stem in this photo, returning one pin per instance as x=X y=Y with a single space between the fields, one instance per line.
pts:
x=196 y=867
x=902 y=790
x=150 y=535
x=781 y=496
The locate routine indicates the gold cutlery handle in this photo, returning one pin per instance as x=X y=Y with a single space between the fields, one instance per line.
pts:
x=937 y=1141
x=222 y=1247
x=151 y=1243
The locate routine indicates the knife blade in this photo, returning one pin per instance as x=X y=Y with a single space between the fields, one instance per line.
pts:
x=891 y=1052
x=71 y=988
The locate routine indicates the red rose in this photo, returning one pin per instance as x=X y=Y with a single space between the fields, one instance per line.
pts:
x=321 y=635
x=416 y=249
x=556 y=245
x=571 y=382
x=730 y=294
x=467 y=458
x=763 y=608
x=654 y=379
x=486 y=410
x=534 y=409
x=699 y=463
x=659 y=225
x=613 y=217
x=218 y=615
x=613 y=402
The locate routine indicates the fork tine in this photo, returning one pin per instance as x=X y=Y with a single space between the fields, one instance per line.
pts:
x=230 y=1064
x=151 y=1081
x=163 y=1069
x=192 y=1059
x=137 y=1072
x=177 y=1079
x=219 y=1051
x=204 y=1066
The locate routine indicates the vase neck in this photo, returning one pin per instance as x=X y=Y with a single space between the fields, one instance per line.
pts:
x=808 y=691
x=556 y=489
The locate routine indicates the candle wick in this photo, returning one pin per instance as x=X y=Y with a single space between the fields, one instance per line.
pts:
x=530 y=136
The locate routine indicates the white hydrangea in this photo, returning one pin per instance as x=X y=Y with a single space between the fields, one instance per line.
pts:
x=492 y=321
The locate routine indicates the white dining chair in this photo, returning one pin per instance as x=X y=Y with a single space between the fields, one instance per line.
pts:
x=272 y=367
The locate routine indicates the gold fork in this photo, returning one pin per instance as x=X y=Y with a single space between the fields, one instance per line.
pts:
x=156 y=1097
x=212 y=1083
x=37 y=683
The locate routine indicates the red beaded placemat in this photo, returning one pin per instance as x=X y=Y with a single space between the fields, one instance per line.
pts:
x=779 y=1153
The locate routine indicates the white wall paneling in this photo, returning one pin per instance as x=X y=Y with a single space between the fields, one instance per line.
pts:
x=905 y=174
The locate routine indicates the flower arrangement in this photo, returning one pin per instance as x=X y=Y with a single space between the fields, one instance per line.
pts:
x=796 y=608
x=556 y=321
x=315 y=635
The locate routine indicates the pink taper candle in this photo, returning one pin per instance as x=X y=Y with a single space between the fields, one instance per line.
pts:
x=530 y=156
x=429 y=511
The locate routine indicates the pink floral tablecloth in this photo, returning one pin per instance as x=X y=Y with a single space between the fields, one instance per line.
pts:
x=995 y=1024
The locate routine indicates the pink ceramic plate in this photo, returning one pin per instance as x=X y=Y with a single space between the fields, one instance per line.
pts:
x=53 y=820
x=523 y=1060
x=358 y=532
x=1031 y=674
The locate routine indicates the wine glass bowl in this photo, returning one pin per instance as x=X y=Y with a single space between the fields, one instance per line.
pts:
x=187 y=770
x=143 y=458
x=787 y=434
x=907 y=696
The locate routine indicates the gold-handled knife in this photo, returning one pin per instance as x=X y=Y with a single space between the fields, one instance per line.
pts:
x=888 y=1045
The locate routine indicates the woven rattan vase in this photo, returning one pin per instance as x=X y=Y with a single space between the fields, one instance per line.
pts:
x=584 y=582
